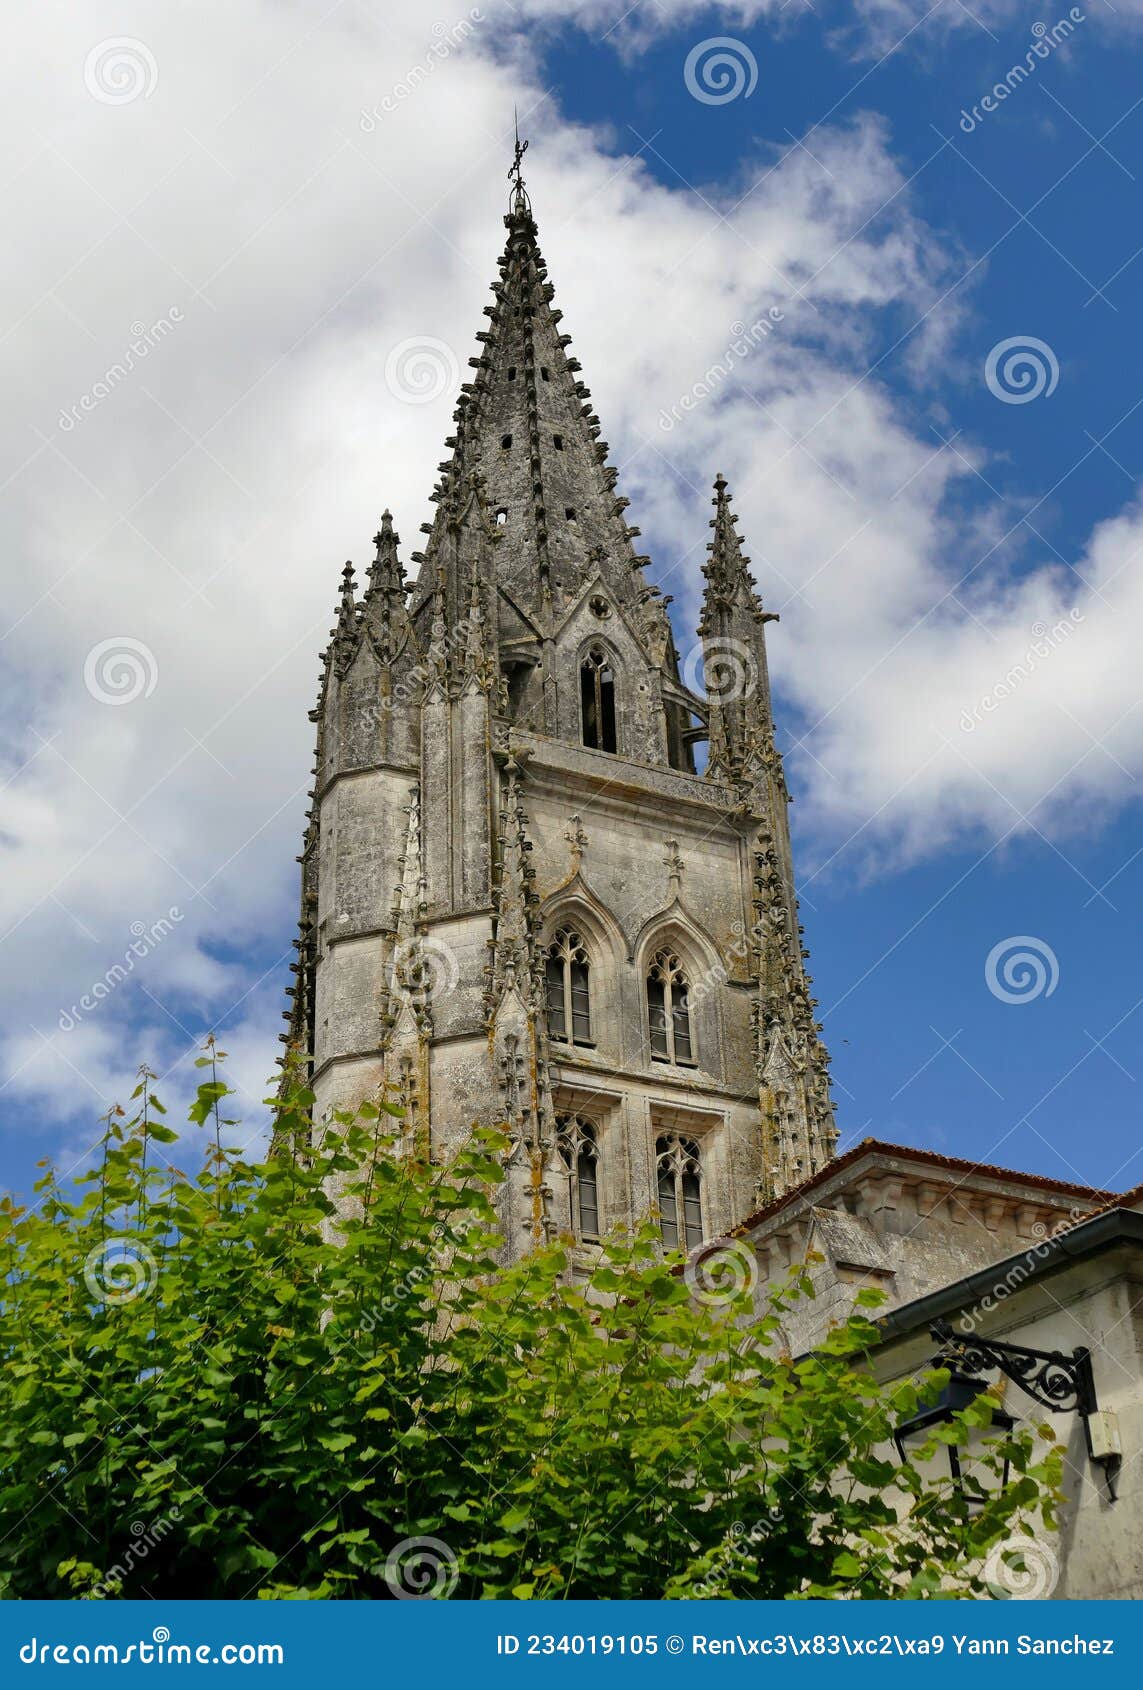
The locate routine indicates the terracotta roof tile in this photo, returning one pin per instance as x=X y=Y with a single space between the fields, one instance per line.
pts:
x=931 y=1158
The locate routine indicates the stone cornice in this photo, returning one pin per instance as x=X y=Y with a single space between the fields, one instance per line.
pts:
x=875 y=1179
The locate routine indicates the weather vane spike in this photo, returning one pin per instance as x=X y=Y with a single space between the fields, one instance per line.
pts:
x=520 y=149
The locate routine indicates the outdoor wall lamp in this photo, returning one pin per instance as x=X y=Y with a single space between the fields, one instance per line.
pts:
x=1052 y=1378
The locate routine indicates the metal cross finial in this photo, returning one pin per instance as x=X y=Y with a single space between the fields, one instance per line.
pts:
x=520 y=149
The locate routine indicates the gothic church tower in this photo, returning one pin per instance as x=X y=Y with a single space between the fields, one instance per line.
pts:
x=521 y=904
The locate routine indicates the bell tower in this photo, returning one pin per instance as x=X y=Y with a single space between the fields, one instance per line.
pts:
x=523 y=900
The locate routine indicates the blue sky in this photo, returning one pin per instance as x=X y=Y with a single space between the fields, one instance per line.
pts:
x=224 y=553
x=923 y=1053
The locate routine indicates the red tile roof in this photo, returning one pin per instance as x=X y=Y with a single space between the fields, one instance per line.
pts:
x=930 y=1158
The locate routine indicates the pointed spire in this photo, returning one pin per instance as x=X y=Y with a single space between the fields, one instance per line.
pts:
x=790 y=1059
x=525 y=421
x=383 y=607
x=386 y=575
x=347 y=609
x=728 y=568
x=732 y=628
x=343 y=641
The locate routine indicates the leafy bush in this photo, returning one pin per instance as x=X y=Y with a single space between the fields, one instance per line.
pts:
x=220 y=1386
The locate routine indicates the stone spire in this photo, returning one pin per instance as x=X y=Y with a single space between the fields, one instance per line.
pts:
x=383 y=613
x=732 y=627
x=791 y=1060
x=345 y=633
x=531 y=674
x=525 y=422
x=728 y=568
x=386 y=587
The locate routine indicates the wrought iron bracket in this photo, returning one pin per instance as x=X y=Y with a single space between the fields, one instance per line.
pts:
x=1056 y=1380
x=1052 y=1378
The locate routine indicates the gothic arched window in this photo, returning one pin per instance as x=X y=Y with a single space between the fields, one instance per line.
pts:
x=597 y=701
x=566 y=970
x=578 y=1148
x=669 y=1011
x=678 y=1173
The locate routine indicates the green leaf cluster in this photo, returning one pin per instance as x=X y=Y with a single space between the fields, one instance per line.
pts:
x=278 y=1377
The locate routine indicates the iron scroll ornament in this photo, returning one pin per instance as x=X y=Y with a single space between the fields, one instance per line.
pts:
x=1050 y=1377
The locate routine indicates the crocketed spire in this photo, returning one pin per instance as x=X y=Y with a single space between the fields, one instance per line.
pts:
x=531 y=675
x=526 y=423
x=732 y=627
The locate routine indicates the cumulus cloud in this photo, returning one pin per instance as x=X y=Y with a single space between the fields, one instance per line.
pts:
x=202 y=423
x=863 y=29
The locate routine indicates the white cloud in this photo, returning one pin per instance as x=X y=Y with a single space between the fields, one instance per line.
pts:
x=203 y=507
x=862 y=28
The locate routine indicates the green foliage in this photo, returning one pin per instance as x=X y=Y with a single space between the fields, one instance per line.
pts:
x=219 y=1385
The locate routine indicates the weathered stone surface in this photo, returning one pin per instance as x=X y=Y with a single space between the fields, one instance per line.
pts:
x=997 y=1255
x=911 y=1223
x=472 y=802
